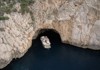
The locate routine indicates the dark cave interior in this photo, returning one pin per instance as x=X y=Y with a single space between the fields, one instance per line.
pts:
x=53 y=36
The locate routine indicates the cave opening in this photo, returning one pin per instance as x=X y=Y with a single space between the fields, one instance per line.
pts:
x=59 y=57
x=52 y=34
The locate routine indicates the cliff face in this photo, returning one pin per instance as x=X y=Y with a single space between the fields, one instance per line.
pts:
x=77 y=22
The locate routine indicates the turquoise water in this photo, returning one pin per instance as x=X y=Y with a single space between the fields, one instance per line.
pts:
x=59 y=57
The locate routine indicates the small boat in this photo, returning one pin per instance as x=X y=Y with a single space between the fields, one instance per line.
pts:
x=45 y=42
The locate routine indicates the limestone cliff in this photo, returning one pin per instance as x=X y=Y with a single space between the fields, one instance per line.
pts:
x=77 y=22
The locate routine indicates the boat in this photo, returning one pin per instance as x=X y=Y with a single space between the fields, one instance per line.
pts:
x=45 y=42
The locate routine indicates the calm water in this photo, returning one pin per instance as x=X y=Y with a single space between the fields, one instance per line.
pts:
x=59 y=57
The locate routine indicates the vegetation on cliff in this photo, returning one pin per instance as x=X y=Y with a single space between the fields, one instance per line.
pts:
x=7 y=6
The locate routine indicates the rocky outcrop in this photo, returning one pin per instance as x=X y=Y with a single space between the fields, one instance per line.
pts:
x=77 y=22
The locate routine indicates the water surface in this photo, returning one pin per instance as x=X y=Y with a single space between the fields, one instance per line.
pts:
x=59 y=57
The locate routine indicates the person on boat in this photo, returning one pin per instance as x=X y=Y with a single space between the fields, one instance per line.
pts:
x=45 y=42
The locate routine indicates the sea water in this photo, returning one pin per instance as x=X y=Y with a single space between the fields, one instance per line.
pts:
x=59 y=57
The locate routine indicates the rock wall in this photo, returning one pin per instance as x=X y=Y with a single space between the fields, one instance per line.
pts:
x=77 y=22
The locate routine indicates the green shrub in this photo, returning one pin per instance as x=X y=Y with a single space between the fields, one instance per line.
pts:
x=24 y=5
x=4 y=18
x=6 y=6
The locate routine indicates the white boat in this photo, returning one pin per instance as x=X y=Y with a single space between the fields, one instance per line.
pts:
x=45 y=42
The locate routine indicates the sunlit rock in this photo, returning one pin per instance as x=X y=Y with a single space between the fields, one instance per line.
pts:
x=76 y=21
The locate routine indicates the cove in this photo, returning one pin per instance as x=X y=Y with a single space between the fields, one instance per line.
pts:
x=59 y=57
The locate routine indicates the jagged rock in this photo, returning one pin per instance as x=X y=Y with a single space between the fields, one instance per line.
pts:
x=77 y=22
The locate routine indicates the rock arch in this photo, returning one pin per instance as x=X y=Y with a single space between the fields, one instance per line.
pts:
x=52 y=34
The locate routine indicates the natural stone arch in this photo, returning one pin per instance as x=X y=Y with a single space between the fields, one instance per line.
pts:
x=52 y=34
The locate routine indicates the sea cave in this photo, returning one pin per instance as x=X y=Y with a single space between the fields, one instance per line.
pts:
x=60 y=57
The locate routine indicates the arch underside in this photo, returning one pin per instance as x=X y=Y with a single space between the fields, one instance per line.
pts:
x=52 y=34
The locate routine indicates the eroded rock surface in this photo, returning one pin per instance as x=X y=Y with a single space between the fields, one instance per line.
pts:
x=77 y=22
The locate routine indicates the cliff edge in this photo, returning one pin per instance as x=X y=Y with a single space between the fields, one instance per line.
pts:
x=77 y=22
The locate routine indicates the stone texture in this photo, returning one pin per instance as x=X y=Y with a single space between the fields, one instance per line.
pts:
x=77 y=22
